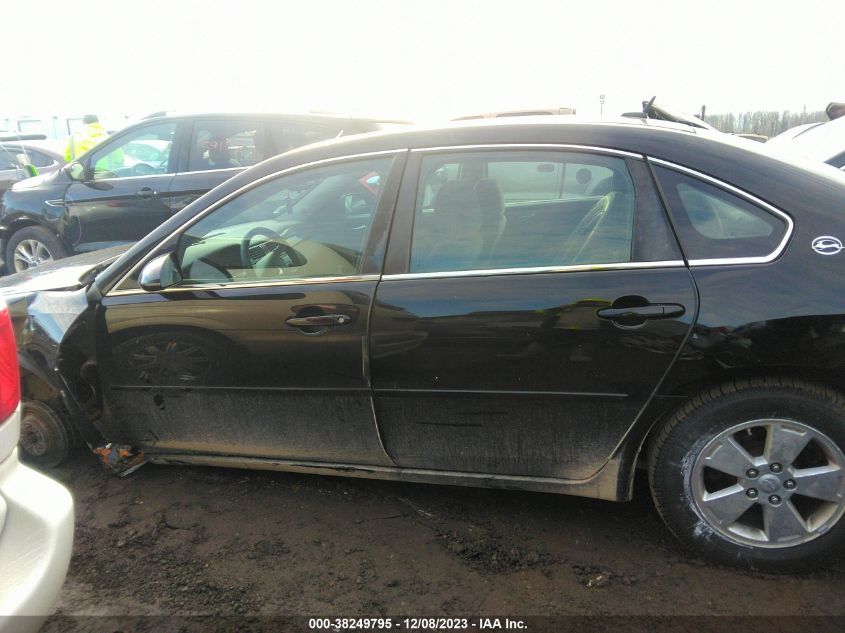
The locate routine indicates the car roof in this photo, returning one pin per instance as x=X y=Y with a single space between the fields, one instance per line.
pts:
x=517 y=130
x=314 y=116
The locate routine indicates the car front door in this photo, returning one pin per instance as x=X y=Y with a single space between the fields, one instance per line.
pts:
x=534 y=311
x=260 y=349
x=124 y=194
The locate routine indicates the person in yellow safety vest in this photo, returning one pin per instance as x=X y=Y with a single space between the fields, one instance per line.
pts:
x=85 y=137
x=89 y=135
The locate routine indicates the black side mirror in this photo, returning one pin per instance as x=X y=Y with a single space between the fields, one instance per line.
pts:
x=159 y=273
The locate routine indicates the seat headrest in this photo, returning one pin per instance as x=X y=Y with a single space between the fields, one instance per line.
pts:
x=490 y=196
x=456 y=208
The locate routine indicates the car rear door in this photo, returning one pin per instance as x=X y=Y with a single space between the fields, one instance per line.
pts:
x=215 y=149
x=260 y=351
x=531 y=315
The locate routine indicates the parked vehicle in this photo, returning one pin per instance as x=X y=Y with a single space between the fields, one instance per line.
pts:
x=15 y=156
x=36 y=514
x=523 y=112
x=661 y=112
x=129 y=184
x=509 y=303
x=820 y=142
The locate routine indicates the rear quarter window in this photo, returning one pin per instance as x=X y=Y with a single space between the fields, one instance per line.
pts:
x=713 y=223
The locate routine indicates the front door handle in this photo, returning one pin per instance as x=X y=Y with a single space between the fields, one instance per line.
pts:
x=650 y=311
x=319 y=320
x=146 y=193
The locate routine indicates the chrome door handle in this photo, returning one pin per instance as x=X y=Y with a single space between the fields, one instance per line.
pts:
x=146 y=193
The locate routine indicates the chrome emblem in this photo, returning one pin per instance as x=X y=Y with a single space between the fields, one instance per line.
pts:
x=827 y=245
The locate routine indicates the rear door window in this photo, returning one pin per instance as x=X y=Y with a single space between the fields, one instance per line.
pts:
x=228 y=143
x=522 y=209
x=8 y=159
x=713 y=223
x=290 y=134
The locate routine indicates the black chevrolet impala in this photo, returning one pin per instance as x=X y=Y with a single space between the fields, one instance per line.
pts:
x=538 y=304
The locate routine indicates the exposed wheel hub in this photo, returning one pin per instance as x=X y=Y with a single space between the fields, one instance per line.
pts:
x=33 y=439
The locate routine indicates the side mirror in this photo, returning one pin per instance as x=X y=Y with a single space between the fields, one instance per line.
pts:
x=159 y=273
x=76 y=171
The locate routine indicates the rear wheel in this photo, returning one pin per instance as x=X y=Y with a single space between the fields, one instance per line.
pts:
x=753 y=473
x=31 y=247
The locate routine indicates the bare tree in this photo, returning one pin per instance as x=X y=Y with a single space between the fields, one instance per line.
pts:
x=768 y=123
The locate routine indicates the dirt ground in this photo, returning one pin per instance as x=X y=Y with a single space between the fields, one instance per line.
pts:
x=186 y=541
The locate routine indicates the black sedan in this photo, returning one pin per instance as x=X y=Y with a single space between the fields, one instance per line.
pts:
x=540 y=304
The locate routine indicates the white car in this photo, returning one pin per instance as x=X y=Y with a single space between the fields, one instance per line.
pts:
x=36 y=513
x=821 y=142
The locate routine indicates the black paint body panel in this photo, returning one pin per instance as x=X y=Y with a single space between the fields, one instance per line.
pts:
x=264 y=388
x=516 y=374
x=501 y=379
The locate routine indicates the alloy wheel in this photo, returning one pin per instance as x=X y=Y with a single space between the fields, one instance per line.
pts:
x=770 y=483
x=29 y=254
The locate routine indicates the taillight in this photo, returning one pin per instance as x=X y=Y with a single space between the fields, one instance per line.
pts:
x=10 y=382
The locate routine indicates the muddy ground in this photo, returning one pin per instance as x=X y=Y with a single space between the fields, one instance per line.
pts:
x=203 y=541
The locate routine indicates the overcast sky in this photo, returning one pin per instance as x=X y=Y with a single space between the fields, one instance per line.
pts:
x=423 y=60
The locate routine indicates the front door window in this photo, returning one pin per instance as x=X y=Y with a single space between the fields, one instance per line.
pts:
x=309 y=224
x=144 y=152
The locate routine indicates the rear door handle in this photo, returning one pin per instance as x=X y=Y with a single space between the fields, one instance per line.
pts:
x=319 y=320
x=145 y=193
x=651 y=311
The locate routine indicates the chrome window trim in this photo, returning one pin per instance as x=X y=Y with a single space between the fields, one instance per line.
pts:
x=534 y=270
x=301 y=281
x=530 y=146
x=214 y=171
x=241 y=190
x=726 y=261
x=169 y=174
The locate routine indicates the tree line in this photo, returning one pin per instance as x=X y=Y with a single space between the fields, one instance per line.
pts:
x=769 y=123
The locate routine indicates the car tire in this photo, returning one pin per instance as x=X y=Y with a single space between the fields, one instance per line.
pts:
x=45 y=440
x=33 y=244
x=753 y=514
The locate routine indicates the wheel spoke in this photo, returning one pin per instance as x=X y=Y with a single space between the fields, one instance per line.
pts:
x=727 y=504
x=822 y=482
x=729 y=457
x=783 y=522
x=783 y=445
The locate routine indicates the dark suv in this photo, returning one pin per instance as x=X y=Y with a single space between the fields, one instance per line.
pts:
x=126 y=186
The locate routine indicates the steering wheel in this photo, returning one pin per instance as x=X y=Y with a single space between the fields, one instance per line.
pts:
x=274 y=244
x=143 y=169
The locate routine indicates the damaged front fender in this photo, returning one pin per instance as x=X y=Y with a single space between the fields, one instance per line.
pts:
x=53 y=332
